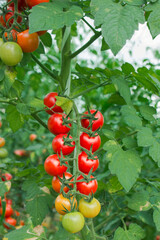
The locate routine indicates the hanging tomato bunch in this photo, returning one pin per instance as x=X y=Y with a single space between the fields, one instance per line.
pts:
x=16 y=38
x=76 y=189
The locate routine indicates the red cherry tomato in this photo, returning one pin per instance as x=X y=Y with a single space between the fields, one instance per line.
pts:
x=55 y=124
x=32 y=3
x=58 y=145
x=158 y=238
x=12 y=35
x=22 y=223
x=11 y=221
x=87 y=188
x=6 y=177
x=87 y=142
x=20 y=152
x=56 y=183
x=17 y=213
x=50 y=102
x=8 y=211
x=52 y=166
x=95 y=123
x=40 y=33
x=28 y=42
x=8 y=15
x=85 y=164
x=21 y=4
x=32 y=137
x=9 y=201
x=0 y=124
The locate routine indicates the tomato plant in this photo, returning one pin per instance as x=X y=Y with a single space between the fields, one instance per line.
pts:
x=28 y=42
x=2 y=142
x=3 y=153
x=85 y=164
x=53 y=167
x=87 y=187
x=58 y=145
x=32 y=3
x=8 y=17
x=90 y=142
x=6 y=177
x=62 y=204
x=89 y=209
x=50 y=102
x=56 y=126
x=8 y=210
x=97 y=123
x=73 y=222
x=56 y=183
x=32 y=137
x=10 y=221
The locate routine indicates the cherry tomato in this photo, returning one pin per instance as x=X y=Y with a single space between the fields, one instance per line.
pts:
x=62 y=203
x=32 y=3
x=6 y=176
x=20 y=152
x=55 y=124
x=58 y=145
x=73 y=222
x=87 y=142
x=158 y=238
x=50 y=102
x=98 y=123
x=21 y=4
x=12 y=35
x=32 y=137
x=28 y=42
x=22 y=223
x=89 y=209
x=87 y=188
x=3 y=153
x=8 y=211
x=56 y=183
x=2 y=142
x=85 y=164
x=17 y=213
x=8 y=15
x=11 y=221
x=40 y=33
x=52 y=166
x=9 y=201
x=11 y=53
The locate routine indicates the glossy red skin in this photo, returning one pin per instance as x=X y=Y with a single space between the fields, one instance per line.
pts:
x=87 y=188
x=96 y=123
x=86 y=164
x=55 y=124
x=20 y=152
x=86 y=141
x=52 y=166
x=49 y=101
x=7 y=177
x=56 y=183
x=11 y=221
x=8 y=201
x=28 y=42
x=8 y=211
x=58 y=145
x=21 y=4
x=32 y=3
x=8 y=15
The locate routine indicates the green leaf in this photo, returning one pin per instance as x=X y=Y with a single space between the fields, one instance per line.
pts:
x=36 y=103
x=135 y=232
x=113 y=18
x=113 y=185
x=104 y=45
x=130 y=117
x=56 y=17
x=122 y=87
x=154 y=152
x=127 y=68
x=129 y=142
x=16 y=89
x=156 y=218
x=2 y=74
x=148 y=112
x=135 y=2
x=14 y=118
x=127 y=166
x=139 y=201
x=144 y=137
x=109 y=134
x=22 y=108
x=9 y=80
x=46 y=39
x=65 y=103
x=3 y=188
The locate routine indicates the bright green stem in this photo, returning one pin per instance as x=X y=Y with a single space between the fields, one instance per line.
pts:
x=93 y=234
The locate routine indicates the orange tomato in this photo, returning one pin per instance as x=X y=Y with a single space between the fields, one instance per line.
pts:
x=28 y=42
x=62 y=203
x=2 y=142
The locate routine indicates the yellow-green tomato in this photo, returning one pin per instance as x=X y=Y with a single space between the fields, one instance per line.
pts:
x=73 y=222
x=11 y=53
x=3 y=153
x=89 y=209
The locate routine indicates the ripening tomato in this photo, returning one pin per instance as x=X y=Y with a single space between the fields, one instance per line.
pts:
x=73 y=222
x=3 y=153
x=20 y=152
x=32 y=137
x=58 y=145
x=12 y=35
x=11 y=53
x=2 y=142
x=87 y=188
x=85 y=164
x=22 y=223
x=4 y=20
x=87 y=142
x=89 y=209
x=17 y=213
x=56 y=183
x=98 y=123
x=1 y=42
x=8 y=211
x=55 y=124
x=6 y=177
x=62 y=203
x=52 y=166
x=40 y=33
x=50 y=102
x=11 y=221
x=28 y=42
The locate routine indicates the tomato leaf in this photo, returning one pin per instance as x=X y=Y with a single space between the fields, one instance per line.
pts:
x=148 y=112
x=144 y=137
x=14 y=118
x=130 y=117
x=135 y=232
x=139 y=201
x=154 y=152
x=65 y=103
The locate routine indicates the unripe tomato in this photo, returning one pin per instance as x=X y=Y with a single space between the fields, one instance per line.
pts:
x=6 y=177
x=32 y=3
x=58 y=145
x=50 y=102
x=11 y=53
x=85 y=164
x=73 y=222
x=52 y=166
x=56 y=183
x=28 y=42
x=8 y=211
x=62 y=203
x=87 y=188
x=11 y=221
x=55 y=124
x=87 y=142
x=2 y=142
x=32 y=137
x=3 y=153
x=98 y=123
x=89 y=209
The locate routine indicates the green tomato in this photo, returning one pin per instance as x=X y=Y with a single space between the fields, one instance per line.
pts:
x=3 y=153
x=89 y=209
x=11 y=53
x=73 y=222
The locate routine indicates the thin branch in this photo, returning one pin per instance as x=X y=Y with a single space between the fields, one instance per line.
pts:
x=86 y=45
x=89 y=25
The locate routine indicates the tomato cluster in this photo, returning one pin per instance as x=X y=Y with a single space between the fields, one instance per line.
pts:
x=16 y=40
x=81 y=183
